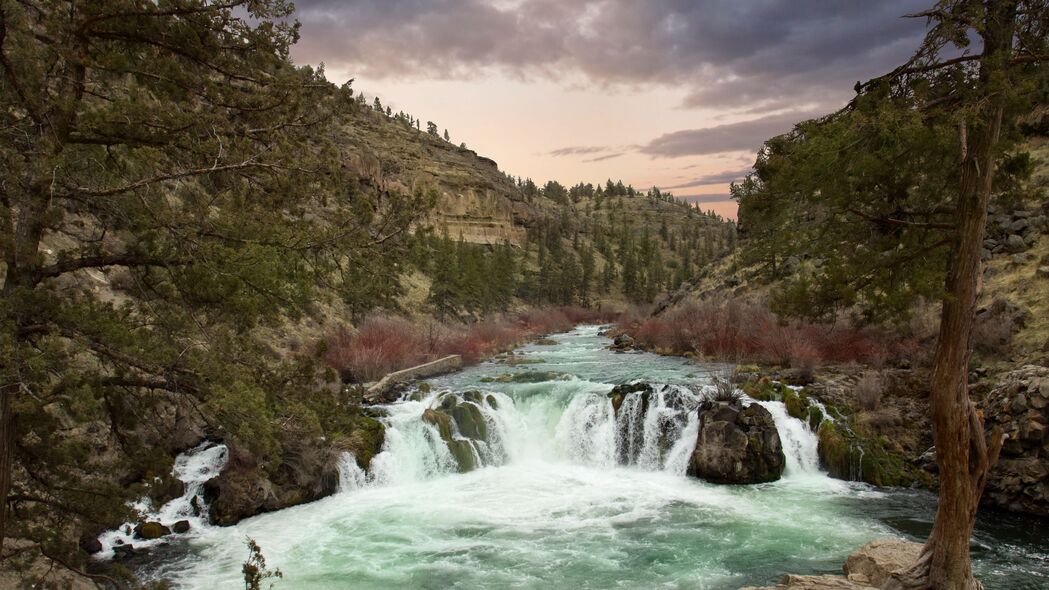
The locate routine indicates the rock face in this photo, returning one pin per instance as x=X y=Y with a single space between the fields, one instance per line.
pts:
x=1020 y=406
x=736 y=445
x=308 y=471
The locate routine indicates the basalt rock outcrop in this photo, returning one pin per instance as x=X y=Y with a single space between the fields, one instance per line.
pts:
x=461 y=424
x=308 y=471
x=736 y=444
x=1019 y=405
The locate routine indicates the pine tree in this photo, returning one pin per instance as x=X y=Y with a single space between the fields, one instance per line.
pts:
x=175 y=149
x=586 y=279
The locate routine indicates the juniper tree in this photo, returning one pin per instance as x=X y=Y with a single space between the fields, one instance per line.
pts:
x=890 y=196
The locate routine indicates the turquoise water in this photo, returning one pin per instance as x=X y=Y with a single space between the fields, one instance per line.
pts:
x=562 y=502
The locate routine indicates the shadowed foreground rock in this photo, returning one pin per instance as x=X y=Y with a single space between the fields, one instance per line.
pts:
x=736 y=445
x=867 y=568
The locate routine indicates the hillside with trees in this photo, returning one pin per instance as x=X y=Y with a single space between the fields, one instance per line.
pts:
x=178 y=198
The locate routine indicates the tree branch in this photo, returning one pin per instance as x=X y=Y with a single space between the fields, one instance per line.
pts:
x=900 y=222
x=103 y=260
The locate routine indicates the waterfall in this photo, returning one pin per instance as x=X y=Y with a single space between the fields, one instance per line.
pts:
x=563 y=419
x=351 y=476
x=193 y=468
x=800 y=445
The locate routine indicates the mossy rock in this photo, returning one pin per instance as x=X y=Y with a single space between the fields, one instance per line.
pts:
x=546 y=342
x=853 y=457
x=474 y=396
x=515 y=361
x=815 y=418
x=837 y=453
x=365 y=440
x=448 y=401
x=797 y=404
x=463 y=452
x=470 y=421
x=442 y=421
x=492 y=402
x=526 y=377
x=151 y=530
x=762 y=390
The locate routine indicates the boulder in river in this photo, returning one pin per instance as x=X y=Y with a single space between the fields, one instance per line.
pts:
x=736 y=444
x=622 y=343
x=876 y=561
x=621 y=391
x=461 y=425
x=151 y=530
x=89 y=543
x=868 y=567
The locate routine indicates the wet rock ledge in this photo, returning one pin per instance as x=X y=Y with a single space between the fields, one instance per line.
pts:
x=868 y=568
x=736 y=444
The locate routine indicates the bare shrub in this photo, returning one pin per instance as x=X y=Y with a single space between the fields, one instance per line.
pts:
x=881 y=420
x=724 y=388
x=382 y=344
x=379 y=345
x=731 y=329
x=869 y=390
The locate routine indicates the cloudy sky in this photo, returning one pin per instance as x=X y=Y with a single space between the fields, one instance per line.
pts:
x=671 y=93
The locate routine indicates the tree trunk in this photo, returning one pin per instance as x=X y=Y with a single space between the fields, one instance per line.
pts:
x=963 y=452
x=7 y=440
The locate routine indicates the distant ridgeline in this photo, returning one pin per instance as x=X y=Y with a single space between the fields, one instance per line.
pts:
x=492 y=239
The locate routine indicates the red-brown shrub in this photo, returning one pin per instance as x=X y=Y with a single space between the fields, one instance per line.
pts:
x=733 y=330
x=379 y=345
x=383 y=344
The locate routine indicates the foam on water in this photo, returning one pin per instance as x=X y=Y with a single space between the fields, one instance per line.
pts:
x=193 y=468
x=570 y=494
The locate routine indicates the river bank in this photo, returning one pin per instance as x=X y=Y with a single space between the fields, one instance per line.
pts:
x=552 y=502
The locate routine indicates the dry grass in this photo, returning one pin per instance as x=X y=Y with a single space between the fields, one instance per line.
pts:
x=868 y=391
x=1019 y=284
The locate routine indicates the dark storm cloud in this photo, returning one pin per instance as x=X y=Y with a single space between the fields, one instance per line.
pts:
x=718 y=178
x=743 y=136
x=727 y=53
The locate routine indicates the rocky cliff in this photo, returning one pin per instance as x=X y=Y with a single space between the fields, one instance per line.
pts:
x=477 y=200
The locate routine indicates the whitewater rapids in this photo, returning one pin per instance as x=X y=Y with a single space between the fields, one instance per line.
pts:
x=569 y=494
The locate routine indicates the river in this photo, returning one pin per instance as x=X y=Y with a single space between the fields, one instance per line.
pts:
x=570 y=496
